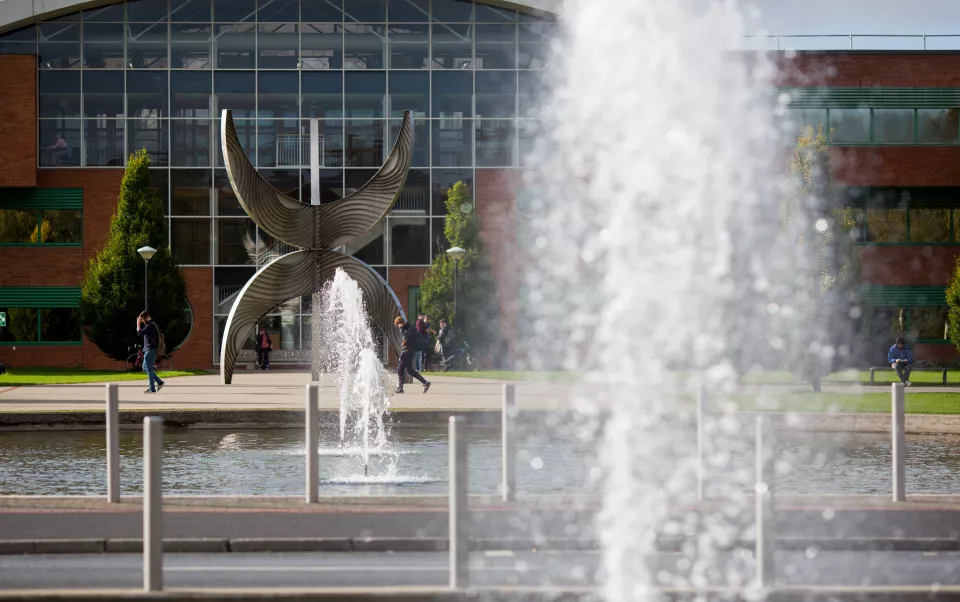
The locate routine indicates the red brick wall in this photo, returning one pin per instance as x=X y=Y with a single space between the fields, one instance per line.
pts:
x=197 y=350
x=18 y=120
x=897 y=166
x=854 y=70
x=908 y=266
x=400 y=280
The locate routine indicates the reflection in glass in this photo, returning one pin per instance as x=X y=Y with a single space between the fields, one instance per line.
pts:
x=280 y=11
x=146 y=94
x=529 y=132
x=495 y=139
x=496 y=47
x=496 y=94
x=409 y=46
x=415 y=196
x=928 y=323
x=850 y=126
x=452 y=46
x=421 y=140
x=373 y=251
x=440 y=243
x=365 y=93
x=61 y=226
x=893 y=126
x=190 y=241
x=409 y=11
x=493 y=14
x=321 y=11
x=247 y=134
x=409 y=241
x=190 y=191
x=452 y=94
x=234 y=10
x=363 y=46
x=150 y=134
x=234 y=45
x=534 y=45
x=929 y=225
x=103 y=139
x=156 y=10
x=59 y=46
x=409 y=91
x=455 y=11
x=112 y=13
x=20 y=41
x=190 y=46
x=227 y=203
x=360 y=11
x=452 y=142
x=147 y=45
x=60 y=141
x=278 y=143
x=191 y=142
x=59 y=93
x=22 y=324
x=363 y=143
x=278 y=94
x=235 y=90
x=60 y=325
x=531 y=93
x=190 y=93
x=277 y=45
x=103 y=93
x=286 y=181
x=796 y=120
x=886 y=225
x=18 y=226
x=321 y=46
x=236 y=241
x=322 y=94
x=938 y=126
x=103 y=45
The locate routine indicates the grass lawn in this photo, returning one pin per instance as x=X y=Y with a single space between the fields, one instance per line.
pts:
x=916 y=403
x=18 y=377
x=855 y=376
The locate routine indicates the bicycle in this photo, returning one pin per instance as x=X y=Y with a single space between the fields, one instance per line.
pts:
x=461 y=361
x=135 y=360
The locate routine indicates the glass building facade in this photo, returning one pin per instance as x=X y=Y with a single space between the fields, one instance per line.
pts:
x=156 y=74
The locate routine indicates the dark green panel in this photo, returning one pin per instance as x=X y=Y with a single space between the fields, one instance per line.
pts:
x=41 y=198
x=875 y=98
x=916 y=198
x=904 y=296
x=40 y=296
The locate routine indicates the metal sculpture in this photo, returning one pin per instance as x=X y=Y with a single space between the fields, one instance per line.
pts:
x=318 y=229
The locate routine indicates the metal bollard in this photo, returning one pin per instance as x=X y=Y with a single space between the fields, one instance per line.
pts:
x=898 y=444
x=152 y=504
x=312 y=442
x=459 y=551
x=701 y=409
x=113 y=443
x=508 y=438
x=766 y=535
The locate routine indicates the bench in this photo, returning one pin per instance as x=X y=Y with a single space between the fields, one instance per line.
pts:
x=942 y=370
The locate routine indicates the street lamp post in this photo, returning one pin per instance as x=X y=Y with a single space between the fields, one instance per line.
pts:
x=456 y=253
x=147 y=253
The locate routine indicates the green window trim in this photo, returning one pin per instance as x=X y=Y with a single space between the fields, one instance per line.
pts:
x=904 y=296
x=41 y=200
x=40 y=297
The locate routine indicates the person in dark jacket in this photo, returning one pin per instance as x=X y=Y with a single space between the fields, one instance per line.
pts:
x=900 y=359
x=427 y=349
x=263 y=349
x=410 y=340
x=443 y=338
x=148 y=329
x=421 y=327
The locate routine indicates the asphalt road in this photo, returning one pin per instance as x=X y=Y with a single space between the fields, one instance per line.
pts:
x=487 y=569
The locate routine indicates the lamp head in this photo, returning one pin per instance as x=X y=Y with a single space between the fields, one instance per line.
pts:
x=456 y=253
x=147 y=253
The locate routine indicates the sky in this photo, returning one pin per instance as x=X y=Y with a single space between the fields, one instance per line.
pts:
x=859 y=16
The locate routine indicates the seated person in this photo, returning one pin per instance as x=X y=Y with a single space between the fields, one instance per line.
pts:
x=900 y=359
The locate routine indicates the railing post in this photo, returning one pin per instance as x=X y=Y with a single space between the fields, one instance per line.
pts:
x=898 y=444
x=766 y=535
x=152 y=504
x=311 y=442
x=701 y=409
x=113 y=443
x=459 y=551
x=509 y=442
x=851 y=41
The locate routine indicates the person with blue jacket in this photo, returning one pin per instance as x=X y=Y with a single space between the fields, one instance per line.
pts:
x=900 y=359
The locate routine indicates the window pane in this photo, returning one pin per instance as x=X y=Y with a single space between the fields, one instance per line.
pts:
x=363 y=143
x=146 y=93
x=331 y=142
x=156 y=10
x=531 y=93
x=795 y=119
x=439 y=243
x=452 y=46
x=60 y=141
x=415 y=196
x=443 y=180
x=61 y=226
x=893 y=126
x=190 y=46
x=103 y=45
x=190 y=93
x=372 y=251
x=928 y=323
x=150 y=134
x=331 y=185
x=409 y=91
x=321 y=46
x=18 y=226
x=227 y=203
x=421 y=140
x=277 y=45
x=190 y=191
x=324 y=11
x=452 y=94
x=363 y=46
x=278 y=94
x=534 y=44
x=453 y=10
x=496 y=140
x=236 y=241
x=104 y=142
x=279 y=11
x=850 y=126
x=147 y=45
x=409 y=241
x=492 y=14
x=929 y=225
x=409 y=46
x=286 y=181
x=277 y=142
x=235 y=46
x=21 y=325
x=938 y=126
x=322 y=94
x=59 y=93
x=60 y=325
x=365 y=93
x=235 y=91
x=529 y=131
x=190 y=241
x=234 y=10
x=191 y=142
x=59 y=45
x=160 y=185
x=247 y=134
x=103 y=93
x=886 y=225
x=496 y=47
x=409 y=11
x=359 y=11
x=496 y=93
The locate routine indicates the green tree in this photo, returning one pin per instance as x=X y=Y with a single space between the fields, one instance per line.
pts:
x=477 y=312
x=112 y=290
x=953 y=306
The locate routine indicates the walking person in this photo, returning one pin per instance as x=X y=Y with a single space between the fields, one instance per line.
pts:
x=150 y=332
x=405 y=364
x=427 y=350
x=900 y=359
x=263 y=349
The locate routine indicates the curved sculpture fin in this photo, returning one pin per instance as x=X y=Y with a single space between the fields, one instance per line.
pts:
x=316 y=226
x=297 y=274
